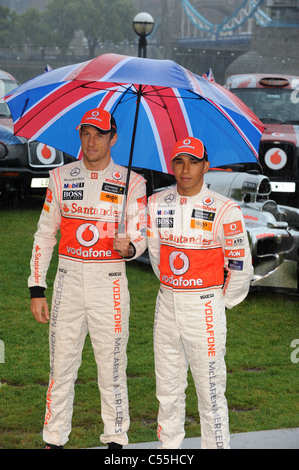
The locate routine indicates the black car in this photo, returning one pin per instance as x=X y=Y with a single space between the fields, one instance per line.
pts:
x=24 y=165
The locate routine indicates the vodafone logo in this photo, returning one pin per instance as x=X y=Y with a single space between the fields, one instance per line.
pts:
x=275 y=158
x=87 y=234
x=117 y=175
x=45 y=154
x=207 y=201
x=179 y=262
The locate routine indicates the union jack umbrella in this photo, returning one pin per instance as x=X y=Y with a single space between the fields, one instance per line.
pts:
x=154 y=102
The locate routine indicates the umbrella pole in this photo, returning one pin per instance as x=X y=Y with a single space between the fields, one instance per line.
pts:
x=121 y=226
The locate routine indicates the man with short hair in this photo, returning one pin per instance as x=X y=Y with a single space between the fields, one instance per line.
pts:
x=85 y=200
x=193 y=234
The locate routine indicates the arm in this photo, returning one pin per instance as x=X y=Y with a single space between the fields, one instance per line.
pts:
x=153 y=237
x=44 y=242
x=237 y=257
x=122 y=244
x=133 y=244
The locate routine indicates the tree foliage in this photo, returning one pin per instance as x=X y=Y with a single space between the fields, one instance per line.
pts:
x=100 y=20
x=103 y=21
x=10 y=28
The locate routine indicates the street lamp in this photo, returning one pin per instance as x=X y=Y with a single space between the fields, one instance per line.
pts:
x=143 y=25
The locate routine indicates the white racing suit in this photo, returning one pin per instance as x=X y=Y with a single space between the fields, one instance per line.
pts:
x=90 y=291
x=190 y=240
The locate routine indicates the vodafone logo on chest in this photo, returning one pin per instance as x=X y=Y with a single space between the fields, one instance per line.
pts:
x=179 y=263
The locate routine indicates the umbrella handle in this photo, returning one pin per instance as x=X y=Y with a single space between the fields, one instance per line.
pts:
x=121 y=226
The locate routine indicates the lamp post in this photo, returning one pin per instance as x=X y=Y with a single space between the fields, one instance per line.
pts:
x=143 y=25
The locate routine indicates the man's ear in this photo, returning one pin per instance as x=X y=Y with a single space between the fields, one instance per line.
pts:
x=206 y=166
x=114 y=139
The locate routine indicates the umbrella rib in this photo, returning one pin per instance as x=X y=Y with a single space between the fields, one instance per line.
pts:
x=84 y=85
x=42 y=109
x=166 y=109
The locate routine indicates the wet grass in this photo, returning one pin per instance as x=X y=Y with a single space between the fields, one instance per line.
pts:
x=262 y=379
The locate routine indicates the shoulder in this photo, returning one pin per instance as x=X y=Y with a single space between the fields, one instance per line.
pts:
x=221 y=200
x=70 y=169
x=121 y=172
x=167 y=195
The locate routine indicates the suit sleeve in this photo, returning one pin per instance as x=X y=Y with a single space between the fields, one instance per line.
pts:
x=45 y=238
x=136 y=215
x=154 y=244
x=237 y=257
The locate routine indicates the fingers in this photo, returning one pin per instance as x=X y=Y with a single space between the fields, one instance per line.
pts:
x=40 y=309
x=121 y=244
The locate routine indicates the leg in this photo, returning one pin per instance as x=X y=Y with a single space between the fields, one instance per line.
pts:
x=171 y=374
x=205 y=347
x=109 y=331
x=67 y=335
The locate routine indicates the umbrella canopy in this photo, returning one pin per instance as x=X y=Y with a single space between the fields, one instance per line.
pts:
x=154 y=102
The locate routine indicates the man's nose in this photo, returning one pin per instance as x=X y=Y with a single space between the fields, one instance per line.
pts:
x=91 y=140
x=186 y=167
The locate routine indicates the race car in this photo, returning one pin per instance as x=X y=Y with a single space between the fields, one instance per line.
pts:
x=275 y=100
x=273 y=229
x=24 y=165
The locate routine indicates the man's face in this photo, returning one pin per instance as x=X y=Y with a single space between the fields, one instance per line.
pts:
x=96 y=147
x=189 y=173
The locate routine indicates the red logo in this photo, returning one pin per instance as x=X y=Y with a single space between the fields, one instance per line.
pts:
x=233 y=228
x=117 y=175
x=49 y=195
x=94 y=176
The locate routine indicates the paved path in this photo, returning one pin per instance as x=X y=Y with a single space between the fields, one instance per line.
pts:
x=276 y=439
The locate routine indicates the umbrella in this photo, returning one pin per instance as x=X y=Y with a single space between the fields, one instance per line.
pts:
x=173 y=103
x=154 y=102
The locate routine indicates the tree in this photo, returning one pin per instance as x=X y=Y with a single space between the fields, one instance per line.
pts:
x=62 y=17
x=37 y=32
x=10 y=31
x=101 y=23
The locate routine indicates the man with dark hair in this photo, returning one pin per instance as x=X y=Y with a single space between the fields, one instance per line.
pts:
x=85 y=200
x=193 y=234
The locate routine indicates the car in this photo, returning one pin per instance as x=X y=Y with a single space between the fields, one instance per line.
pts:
x=273 y=229
x=24 y=164
x=274 y=99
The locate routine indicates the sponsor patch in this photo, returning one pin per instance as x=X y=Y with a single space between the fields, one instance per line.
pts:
x=73 y=185
x=165 y=212
x=46 y=207
x=201 y=225
x=72 y=195
x=162 y=222
x=49 y=195
x=235 y=253
x=235 y=265
x=203 y=215
x=113 y=188
x=141 y=202
x=233 y=228
x=234 y=241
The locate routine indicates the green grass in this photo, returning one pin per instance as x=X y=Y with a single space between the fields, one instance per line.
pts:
x=262 y=381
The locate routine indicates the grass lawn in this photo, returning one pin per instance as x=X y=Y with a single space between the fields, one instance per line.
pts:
x=262 y=381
